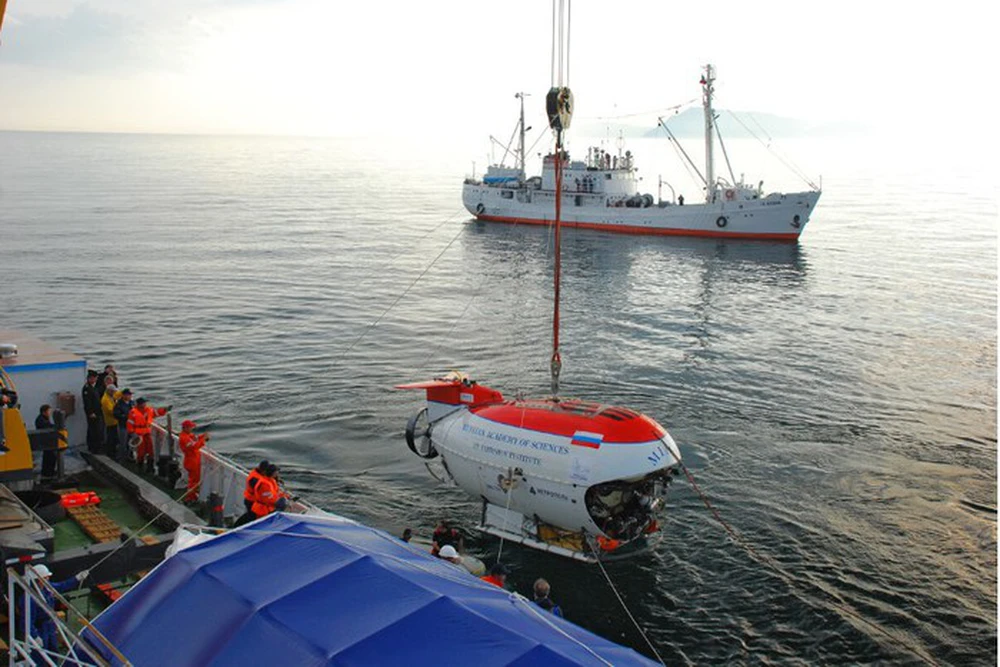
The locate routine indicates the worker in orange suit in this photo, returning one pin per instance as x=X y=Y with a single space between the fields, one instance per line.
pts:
x=140 y=424
x=268 y=496
x=191 y=445
x=497 y=575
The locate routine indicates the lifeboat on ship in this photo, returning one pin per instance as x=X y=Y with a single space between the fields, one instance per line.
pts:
x=571 y=477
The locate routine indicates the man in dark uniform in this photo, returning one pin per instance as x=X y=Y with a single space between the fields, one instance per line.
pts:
x=444 y=535
x=92 y=410
x=44 y=422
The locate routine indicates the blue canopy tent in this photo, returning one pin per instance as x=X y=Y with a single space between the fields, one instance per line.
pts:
x=324 y=590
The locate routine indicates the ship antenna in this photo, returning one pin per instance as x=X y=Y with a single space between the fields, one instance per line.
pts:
x=559 y=106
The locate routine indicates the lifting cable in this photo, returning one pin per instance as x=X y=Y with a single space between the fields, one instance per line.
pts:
x=771 y=564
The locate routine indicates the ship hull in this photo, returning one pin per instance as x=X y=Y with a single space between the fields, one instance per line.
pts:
x=779 y=217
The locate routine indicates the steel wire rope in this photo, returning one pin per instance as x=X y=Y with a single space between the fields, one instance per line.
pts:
x=621 y=601
x=775 y=567
x=399 y=298
x=136 y=533
x=787 y=162
x=475 y=295
x=692 y=173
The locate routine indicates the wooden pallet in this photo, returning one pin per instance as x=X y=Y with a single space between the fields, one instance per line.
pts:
x=95 y=523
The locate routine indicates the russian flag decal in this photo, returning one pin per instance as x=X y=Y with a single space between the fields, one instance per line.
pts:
x=587 y=439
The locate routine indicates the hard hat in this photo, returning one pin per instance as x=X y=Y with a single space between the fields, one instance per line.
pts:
x=41 y=571
x=448 y=551
x=187 y=423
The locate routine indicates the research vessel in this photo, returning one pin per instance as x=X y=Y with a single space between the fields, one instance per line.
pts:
x=602 y=192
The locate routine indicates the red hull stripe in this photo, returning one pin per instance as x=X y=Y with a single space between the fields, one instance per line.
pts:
x=649 y=231
x=638 y=431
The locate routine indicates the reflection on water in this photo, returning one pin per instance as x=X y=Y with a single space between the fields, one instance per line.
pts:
x=835 y=398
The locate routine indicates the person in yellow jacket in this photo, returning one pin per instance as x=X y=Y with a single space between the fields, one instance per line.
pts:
x=111 y=396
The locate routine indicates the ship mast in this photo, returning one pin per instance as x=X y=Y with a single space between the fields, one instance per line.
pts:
x=707 y=88
x=559 y=107
x=522 y=130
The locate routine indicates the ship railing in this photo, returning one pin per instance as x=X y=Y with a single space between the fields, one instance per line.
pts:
x=164 y=441
x=26 y=604
x=222 y=480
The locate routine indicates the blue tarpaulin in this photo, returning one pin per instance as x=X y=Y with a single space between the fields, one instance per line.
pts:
x=323 y=590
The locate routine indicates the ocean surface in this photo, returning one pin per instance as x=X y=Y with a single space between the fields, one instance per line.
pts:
x=835 y=399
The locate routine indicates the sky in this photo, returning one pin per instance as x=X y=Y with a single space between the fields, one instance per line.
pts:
x=451 y=68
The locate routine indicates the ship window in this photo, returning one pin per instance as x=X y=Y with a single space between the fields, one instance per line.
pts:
x=507 y=194
x=607 y=176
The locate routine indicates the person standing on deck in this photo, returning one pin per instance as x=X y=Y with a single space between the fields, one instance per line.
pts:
x=191 y=445
x=497 y=576
x=123 y=406
x=111 y=396
x=445 y=534
x=250 y=491
x=106 y=377
x=251 y=484
x=41 y=624
x=140 y=423
x=268 y=496
x=542 y=599
x=92 y=410
x=43 y=422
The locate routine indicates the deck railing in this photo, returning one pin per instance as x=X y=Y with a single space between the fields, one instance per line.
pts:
x=26 y=605
x=219 y=475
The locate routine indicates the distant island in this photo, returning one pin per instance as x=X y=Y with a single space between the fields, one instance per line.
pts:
x=690 y=123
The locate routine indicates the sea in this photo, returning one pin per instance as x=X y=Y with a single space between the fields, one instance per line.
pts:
x=834 y=399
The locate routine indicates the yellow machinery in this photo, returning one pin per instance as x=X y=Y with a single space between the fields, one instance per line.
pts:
x=17 y=462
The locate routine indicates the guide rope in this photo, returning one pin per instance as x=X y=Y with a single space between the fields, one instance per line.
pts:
x=596 y=550
x=136 y=533
x=404 y=293
x=468 y=304
x=506 y=511
x=768 y=562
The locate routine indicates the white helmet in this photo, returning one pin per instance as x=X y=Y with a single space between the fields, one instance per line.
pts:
x=35 y=571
